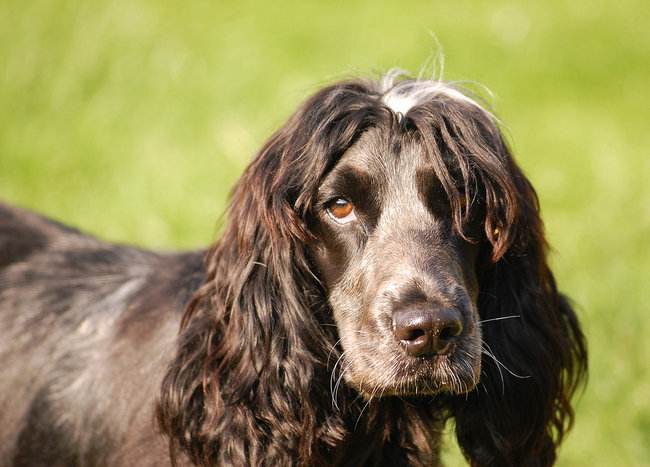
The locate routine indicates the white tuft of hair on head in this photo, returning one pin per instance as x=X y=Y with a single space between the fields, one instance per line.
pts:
x=401 y=93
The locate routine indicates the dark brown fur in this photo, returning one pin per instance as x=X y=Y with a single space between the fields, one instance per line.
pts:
x=233 y=350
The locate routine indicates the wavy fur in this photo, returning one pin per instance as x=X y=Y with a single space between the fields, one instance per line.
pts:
x=245 y=357
x=250 y=380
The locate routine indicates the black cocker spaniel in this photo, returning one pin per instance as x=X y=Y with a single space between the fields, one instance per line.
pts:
x=383 y=270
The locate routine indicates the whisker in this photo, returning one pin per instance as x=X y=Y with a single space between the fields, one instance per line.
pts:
x=364 y=408
x=338 y=383
x=506 y=368
x=332 y=377
x=503 y=384
x=498 y=319
x=327 y=364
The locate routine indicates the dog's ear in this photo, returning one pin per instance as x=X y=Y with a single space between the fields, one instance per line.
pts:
x=251 y=343
x=533 y=362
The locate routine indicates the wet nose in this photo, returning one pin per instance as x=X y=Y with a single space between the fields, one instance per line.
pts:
x=427 y=332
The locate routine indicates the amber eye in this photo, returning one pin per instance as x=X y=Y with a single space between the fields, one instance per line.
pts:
x=341 y=210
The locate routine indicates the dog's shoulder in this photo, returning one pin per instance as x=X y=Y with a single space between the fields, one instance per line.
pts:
x=40 y=253
x=23 y=233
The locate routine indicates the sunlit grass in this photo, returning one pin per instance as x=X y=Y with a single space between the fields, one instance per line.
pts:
x=132 y=120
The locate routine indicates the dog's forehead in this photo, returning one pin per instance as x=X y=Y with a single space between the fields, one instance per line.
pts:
x=380 y=153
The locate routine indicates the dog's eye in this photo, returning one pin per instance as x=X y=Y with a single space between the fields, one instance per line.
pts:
x=341 y=210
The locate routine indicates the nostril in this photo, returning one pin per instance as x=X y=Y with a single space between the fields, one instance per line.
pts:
x=415 y=334
x=408 y=333
x=447 y=333
x=448 y=329
x=413 y=329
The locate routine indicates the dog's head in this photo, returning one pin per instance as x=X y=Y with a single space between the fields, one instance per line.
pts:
x=400 y=273
x=402 y=199
x=399 y=221
x=385 y=224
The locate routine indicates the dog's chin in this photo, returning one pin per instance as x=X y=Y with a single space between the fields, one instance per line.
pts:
x=421 y=377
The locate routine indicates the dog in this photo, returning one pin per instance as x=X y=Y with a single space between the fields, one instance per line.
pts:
x=383 y=270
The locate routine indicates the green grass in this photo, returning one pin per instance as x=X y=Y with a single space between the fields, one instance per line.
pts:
x=132 y=119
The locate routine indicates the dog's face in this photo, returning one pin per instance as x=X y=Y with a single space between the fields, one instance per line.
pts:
x=401 y=280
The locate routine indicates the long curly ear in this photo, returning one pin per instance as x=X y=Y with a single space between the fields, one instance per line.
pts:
x=533 y=358
x=240 y=390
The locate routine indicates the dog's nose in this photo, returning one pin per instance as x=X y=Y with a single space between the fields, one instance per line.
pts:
x=427 y=332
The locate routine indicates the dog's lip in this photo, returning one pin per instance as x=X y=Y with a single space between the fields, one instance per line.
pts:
x=424 y=376
x=419 y=388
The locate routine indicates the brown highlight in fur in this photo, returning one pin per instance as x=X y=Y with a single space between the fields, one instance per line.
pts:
x=446 y=221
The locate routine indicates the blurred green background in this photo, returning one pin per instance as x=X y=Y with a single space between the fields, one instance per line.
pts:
x=133 y=118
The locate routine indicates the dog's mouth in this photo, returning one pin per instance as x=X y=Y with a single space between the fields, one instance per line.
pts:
x=454 y=373
x=413 y=354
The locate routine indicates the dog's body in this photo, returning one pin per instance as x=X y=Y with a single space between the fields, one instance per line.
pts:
x=383 y=269
x=87 y=331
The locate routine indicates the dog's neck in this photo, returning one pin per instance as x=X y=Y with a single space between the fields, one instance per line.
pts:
x=391 y=431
